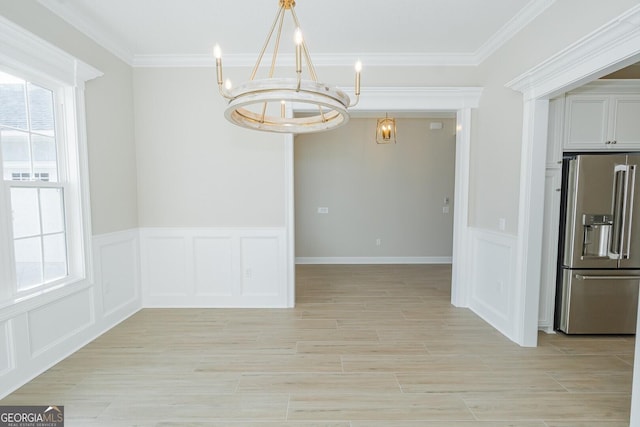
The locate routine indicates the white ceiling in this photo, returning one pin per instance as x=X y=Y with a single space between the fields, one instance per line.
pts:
x=144 y=32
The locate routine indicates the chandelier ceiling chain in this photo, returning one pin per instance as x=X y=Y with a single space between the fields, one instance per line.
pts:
x=260 y=104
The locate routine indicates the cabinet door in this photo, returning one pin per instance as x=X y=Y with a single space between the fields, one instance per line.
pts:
x=625 y=121
x=552 y=184
x=586 y=123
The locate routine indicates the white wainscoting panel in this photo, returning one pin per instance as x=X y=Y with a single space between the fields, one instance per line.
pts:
x=41 y=330
x=164 y=261
x=56 y=322
x=492 y=278
x=117 y=271
x=260 y=266
x=117 y=275
x=213 y=267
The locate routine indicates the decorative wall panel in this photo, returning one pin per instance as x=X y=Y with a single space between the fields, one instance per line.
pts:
x=221 y=267
x=53 y=323
x=492 y=278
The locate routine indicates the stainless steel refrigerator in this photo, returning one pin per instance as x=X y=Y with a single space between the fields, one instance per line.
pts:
x=599 y=256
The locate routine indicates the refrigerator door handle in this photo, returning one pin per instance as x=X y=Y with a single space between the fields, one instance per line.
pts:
x=589 y=277
x=619 y=207
x=630 y=188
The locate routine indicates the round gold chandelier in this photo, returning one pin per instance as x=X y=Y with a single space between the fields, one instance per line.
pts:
x=261 y=104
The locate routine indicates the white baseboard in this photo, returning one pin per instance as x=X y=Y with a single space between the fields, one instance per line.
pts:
x=374 y=260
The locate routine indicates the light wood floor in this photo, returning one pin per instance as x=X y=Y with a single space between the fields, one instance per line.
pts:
x=366 y=346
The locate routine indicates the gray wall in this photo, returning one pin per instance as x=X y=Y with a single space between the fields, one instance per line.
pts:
x=195 y=169
x=393 y=192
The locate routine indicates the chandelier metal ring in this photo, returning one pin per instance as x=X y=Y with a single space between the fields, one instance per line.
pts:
x=328 y=106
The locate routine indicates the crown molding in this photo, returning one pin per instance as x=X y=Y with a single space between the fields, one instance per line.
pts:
x=120 y=49
x=319 y=60
x=503 y=35
x=511 y=28
x=90 y=28
x=610 y=47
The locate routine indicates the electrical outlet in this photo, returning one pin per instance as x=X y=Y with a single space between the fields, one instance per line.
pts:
x=378 y=241
x=323 y=210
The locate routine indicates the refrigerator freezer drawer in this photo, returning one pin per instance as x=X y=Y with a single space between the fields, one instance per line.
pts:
x=599 y=301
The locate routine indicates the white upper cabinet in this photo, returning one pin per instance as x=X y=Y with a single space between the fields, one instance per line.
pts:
x=603 y=115
x=625 y=120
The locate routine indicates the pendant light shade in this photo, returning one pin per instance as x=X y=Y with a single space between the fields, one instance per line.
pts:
x=386 y=130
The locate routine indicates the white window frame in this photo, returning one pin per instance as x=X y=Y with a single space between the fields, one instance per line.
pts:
x=33 y=59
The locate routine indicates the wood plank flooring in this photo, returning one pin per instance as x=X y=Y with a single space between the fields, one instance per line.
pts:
x=366 y=346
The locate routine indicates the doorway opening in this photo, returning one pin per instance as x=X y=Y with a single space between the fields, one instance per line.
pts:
x=458 y=101
x=360 y=202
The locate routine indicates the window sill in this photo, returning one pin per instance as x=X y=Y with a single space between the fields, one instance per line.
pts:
x=29 y=300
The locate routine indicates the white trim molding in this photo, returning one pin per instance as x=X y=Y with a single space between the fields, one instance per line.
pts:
x=123 y=49
x=407 y=100
x=83 y=23
x=290 y=218
x=530 y=221
x=460 y=280
x=415 y=99
x=386 y=59
x=607 y=49
x=418 y=100
x=511 y=28
x=320 y=60
x=611 y=47
x=20 y=49
x=374 y=260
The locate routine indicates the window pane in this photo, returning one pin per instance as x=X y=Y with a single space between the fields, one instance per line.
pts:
x=15 y=153
x=51 y=203
x=13 y=108
x=44 y=158
x=40 y=109
x=26 y=213
x=28 y=262
x=55 y=257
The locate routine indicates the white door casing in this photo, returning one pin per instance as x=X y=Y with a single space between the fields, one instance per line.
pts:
x=610 y=48
x=419 y=100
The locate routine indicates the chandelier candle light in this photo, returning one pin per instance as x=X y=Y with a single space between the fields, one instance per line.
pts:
x=260 y=104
